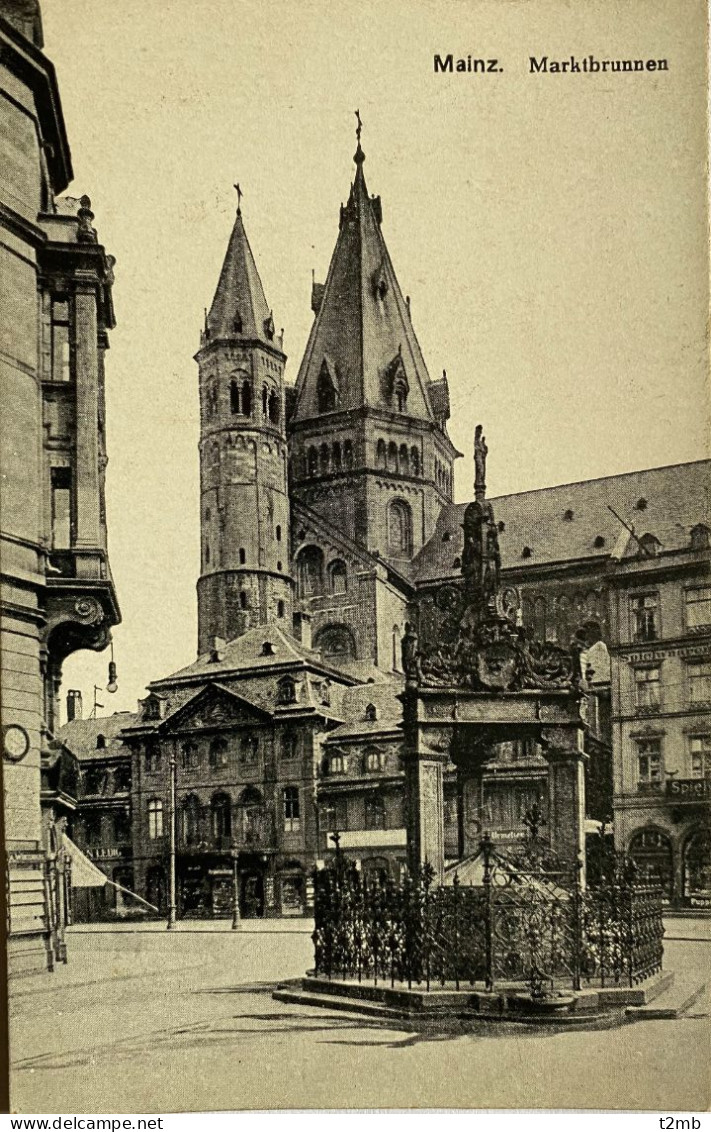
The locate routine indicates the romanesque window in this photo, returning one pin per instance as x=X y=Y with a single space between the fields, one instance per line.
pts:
x=415 y=461
x=392 y=456
x=273 y=408
x=700 y=756
x=404 y=458
x=698 y=608
x=221 y=816
x=242 y=556
x=246 y=399
x=399 y=528
x=309 y=564
x=243 y=601
x=381 y=455
x=647 y=688
x=61 y=349
x=338 y=575
x=292 y=809
x=265 y=400
x=649 y=763
x=234 y=397
x=644 y=614
x=335 y=642
x=324 y=459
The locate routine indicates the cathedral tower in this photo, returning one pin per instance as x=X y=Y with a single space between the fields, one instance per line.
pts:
x=244 y=575
x=368 y=439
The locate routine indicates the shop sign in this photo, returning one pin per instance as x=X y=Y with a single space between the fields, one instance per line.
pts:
x=688 y=789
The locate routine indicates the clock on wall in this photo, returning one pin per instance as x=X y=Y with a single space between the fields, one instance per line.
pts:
x=16 y=742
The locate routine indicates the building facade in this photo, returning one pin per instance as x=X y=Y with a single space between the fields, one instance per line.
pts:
x=57 y=590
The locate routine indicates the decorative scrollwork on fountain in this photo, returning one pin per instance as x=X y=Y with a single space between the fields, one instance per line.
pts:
x=487 y=650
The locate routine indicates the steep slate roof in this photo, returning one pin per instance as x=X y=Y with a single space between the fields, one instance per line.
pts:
x=80 y=735
x=677 y=499
x=245 y=652
x=239 y=291
x=354 y=701
x=359 y=331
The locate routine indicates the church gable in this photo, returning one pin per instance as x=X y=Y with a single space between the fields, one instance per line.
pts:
x=214 y=706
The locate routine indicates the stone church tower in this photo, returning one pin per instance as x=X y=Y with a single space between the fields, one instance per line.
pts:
x=245 y=575
x=369 y=446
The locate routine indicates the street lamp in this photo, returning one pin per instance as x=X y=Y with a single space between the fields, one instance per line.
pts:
x=171 y=865
x=234 y=853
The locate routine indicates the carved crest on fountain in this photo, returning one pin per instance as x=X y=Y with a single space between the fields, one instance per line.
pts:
x=489 y=652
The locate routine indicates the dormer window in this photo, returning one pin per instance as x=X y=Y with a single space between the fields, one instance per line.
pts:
x=649 y=545
x=599 y=542
x=700 y=537
x=371 y=713
x=269 y=327
x=100 y=742
x=327 y=390
x=568 y=516
x=526 y=552
x=237 y=323
x=286 y=691
x=641 y=504
x=267 y=649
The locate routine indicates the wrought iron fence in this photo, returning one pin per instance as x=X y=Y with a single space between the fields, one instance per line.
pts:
x=523 y=924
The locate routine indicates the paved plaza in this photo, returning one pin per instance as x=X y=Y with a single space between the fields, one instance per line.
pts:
x=151 y=1021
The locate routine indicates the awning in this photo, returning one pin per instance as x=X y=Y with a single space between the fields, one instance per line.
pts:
x=84 y=872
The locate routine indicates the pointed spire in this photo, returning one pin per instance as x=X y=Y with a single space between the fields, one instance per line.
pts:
x=239 y=308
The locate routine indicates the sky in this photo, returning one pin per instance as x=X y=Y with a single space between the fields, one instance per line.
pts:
x=550 y=230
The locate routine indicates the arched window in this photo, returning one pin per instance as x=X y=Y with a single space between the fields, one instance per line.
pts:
x=399 y=528
x=336 y=457
x=100 y=742
x=218 y=756
x=152 y=756
x=327 y=395
x=404 y=460
x=392 y=456
x=381 y=455
x=335 y=642
x=243 y=599
x=221 y=817
x=191 y=820
x=312 y=461
x=247 y=399
x=338 y=576
x=277 y=532
x=324 y=458
x=265 y=400
x=371 y=713
x=242 y=556
x=280 y=609
x=155 y=818
x=273 y=408
x=234 y=396
x=249 y=748
x=309 y=564
x=415 y=461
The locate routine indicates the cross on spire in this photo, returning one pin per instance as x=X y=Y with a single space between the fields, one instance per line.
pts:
x=239 y=199
x=359 y=127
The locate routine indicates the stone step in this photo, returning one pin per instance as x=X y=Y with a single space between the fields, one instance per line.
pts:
x=673 y=1002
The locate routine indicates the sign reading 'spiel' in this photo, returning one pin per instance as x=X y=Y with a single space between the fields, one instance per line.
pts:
x=689 y=789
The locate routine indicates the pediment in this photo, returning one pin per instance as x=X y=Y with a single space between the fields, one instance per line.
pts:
x=215 y=706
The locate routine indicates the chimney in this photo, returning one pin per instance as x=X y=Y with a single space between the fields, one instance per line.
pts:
x=74 y=705
x=302 y=629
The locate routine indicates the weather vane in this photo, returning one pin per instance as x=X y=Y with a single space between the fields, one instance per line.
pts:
x=359 y=127
x=239 y=198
